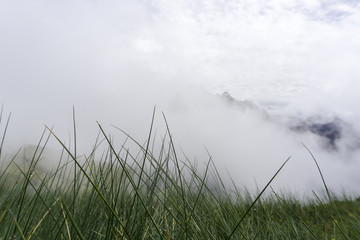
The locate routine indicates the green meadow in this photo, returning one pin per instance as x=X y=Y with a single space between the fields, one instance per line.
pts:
x=115 y=193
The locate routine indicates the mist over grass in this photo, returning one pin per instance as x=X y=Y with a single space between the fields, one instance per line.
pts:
x=149 y=190
x=243 y=144
x=255 y=149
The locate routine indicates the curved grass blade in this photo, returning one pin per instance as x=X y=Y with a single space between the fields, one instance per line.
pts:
x=128 y=175
x=328 y=194
x=114 y=213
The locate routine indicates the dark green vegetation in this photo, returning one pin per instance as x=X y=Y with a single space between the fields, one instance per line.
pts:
x=126 y=195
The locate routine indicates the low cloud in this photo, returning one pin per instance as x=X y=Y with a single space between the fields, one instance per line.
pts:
x=115 y=61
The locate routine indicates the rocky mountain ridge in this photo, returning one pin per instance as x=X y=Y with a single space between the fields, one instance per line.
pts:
x=334 y=132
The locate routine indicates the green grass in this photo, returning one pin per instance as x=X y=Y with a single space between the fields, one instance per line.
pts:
x=113 y=193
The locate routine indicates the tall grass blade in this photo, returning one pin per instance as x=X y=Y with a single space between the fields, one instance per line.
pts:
x=5 y=129
x=75 y=168
x=17 y=226
x=114 y=213
x=143 y=165
x=128 y=175
x=180 y=177
x=256 y=199
x=33 y=230
x=327 y=190
x=72 y=220
x=331 y=216
x=295 y=213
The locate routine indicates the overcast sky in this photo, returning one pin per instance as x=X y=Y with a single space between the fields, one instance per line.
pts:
x=115 y=60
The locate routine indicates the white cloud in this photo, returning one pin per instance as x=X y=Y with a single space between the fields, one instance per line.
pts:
x=115 y=60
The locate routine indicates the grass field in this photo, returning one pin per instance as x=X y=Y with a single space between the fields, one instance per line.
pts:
x=116 y=194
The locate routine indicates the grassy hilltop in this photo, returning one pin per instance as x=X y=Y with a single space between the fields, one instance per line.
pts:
x=117 y=194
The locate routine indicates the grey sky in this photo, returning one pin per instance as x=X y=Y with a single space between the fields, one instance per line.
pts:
x=115 y=60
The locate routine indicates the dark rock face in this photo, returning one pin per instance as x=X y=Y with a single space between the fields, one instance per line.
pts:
x=331 y=131
x=335 y=132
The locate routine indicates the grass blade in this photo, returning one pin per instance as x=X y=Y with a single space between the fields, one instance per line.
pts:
x=72 y=220
x=257 y=198
x=93 y=184
x=17 y=225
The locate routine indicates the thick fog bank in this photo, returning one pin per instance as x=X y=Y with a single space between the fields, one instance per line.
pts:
x=290 y=67
x=242 y=139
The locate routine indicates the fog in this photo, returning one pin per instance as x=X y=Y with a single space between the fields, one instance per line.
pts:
x=115 y=60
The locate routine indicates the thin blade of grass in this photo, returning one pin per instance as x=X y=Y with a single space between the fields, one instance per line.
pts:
x=295 y=213
x=132 y=182
x=34 y=160
x=257 y=198
x=3 y=215
x=75 y=168
x=331 y=216
x=143 y=164
x=72 y=220
x=327 y=189
x=180 y=177
x=320 y=172
x=33 y=230
x=115 y=214
x=17 y=225
x=5 y=129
